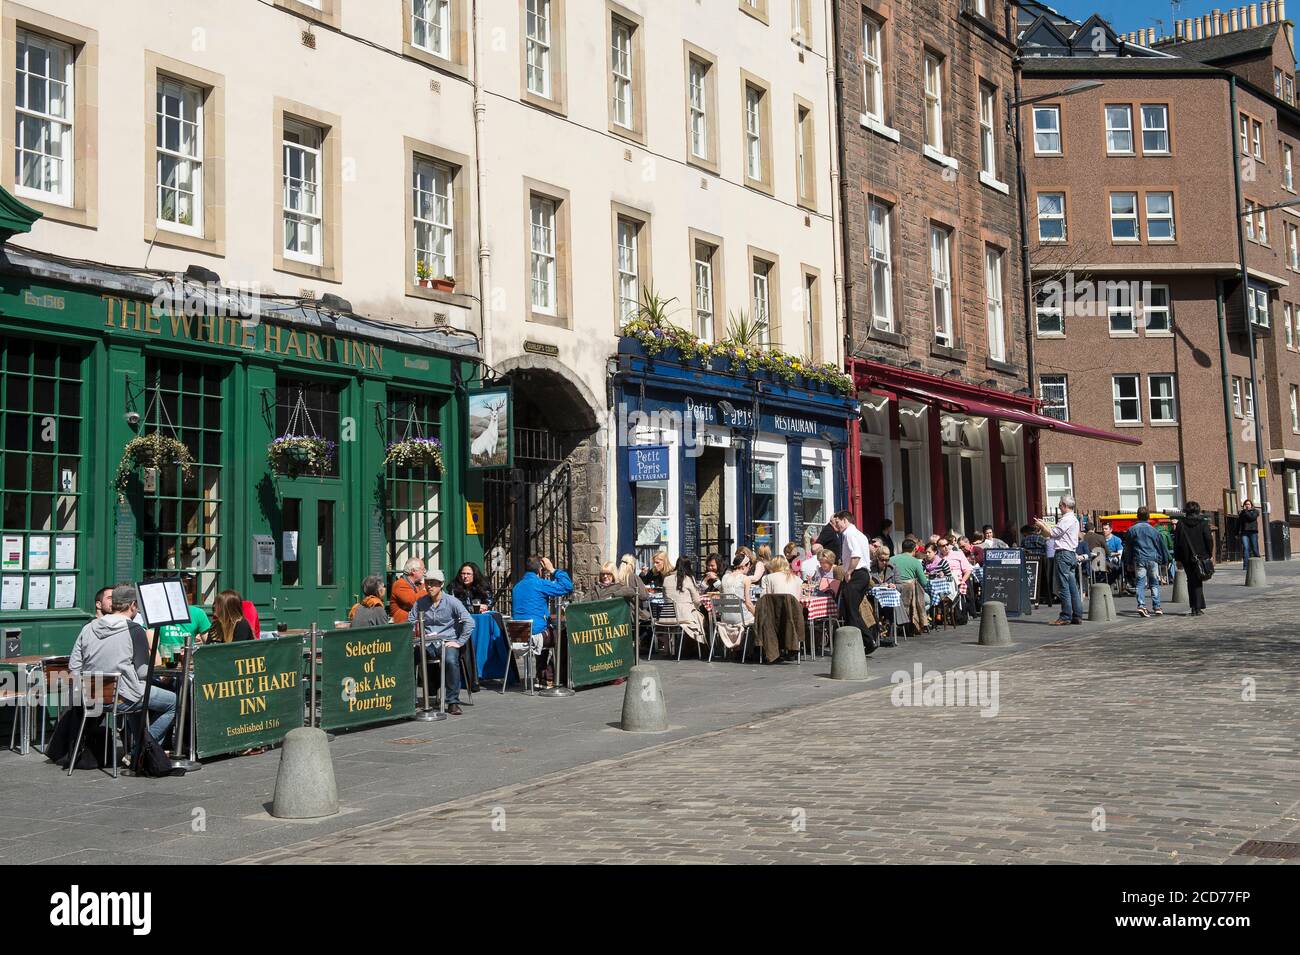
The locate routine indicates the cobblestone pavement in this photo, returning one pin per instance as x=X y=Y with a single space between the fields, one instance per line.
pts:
x=1131 y=745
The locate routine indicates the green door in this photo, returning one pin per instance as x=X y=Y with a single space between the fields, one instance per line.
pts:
x=313 y=520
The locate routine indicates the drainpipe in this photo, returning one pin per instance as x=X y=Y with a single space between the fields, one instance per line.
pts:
x=1260 y=462
x=480 y=176
x=1227 y=390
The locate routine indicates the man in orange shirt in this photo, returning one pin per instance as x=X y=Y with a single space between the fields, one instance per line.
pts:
x=407 y=589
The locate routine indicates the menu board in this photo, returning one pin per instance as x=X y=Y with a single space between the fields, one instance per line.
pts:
x=1005 y=580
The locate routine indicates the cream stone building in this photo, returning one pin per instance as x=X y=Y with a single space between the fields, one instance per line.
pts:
x=520 y=170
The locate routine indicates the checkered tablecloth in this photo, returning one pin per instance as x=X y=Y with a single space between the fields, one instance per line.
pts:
x=940 y=587
x=977 y=573
x=886 y=597
x=819 y=607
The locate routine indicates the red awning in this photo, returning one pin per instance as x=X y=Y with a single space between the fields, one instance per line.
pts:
x=983 y=409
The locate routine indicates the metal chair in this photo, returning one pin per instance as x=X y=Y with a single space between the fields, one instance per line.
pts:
x=99 y=689
x=519 y=633
x=730 y=610
x=663 y=619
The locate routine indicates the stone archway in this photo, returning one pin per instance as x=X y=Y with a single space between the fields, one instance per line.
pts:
x=559 y=464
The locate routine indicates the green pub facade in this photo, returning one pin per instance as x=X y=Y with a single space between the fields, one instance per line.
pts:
x=91 y=357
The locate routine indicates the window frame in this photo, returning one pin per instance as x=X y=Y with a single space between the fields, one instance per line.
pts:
x=1067 y=489
x=560 y=312
x=881 y=263
x=1062 y=218
x=1140 y=487
x=1171 y=399
x=762 y=137
x=616 y=17
x=620 y=214
x=1054 y=109
x=874 y=67
x=82 y=207
x=462 y=223
x=456 y=58
x=1135 y=398
x=1113 y=131
x=1166 y=309
x=766 y=265
x=696 y=240
x=708 y=108
x=988 y=93
x=555 y=96
x=812 y=318
x=805 y=136
x=1159 y=218
x=1176 y=486
x=934 y=135
x=1042 y=310
x=1114 y=219
x=1158 y=130
x=995 y=282
x=941 y=285
x=1050 y=404
x=329 y=189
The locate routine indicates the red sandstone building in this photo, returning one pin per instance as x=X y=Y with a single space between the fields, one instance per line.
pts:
x=1133 y=210
x=933 y=279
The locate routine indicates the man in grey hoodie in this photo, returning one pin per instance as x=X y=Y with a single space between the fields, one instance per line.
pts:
x=113 y=644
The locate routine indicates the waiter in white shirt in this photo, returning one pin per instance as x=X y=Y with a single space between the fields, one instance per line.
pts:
x=856 y=557
x=1065 y=538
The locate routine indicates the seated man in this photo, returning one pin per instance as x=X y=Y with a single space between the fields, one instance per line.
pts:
x=528 y=600
x=447 y=625
x=115 y=645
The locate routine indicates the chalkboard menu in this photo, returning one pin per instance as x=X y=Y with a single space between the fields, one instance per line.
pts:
x=1006 y=579
x=690 y=519
x=1031 y=574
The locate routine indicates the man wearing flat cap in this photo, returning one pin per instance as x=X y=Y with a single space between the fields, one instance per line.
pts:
x=447 y=624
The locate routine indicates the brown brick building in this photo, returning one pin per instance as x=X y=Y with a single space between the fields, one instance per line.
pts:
x=933 y=268
x=1141 y=318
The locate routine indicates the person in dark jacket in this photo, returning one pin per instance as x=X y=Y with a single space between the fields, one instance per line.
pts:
x=370 y=612
x=471 y=588
x=832 y=540
x=228 y=623
x=1248 y=528
x=1193 y=543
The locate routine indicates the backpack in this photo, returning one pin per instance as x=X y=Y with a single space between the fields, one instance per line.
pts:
x=151 y=760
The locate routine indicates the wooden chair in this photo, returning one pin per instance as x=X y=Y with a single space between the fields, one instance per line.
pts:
x=56 y=685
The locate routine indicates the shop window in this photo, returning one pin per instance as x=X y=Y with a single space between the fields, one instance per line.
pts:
x=40 y=467
x=654 y=519
x=181 y=530
x=310 y=409
x=814 y=499
x=413 y=495
x=765 y=505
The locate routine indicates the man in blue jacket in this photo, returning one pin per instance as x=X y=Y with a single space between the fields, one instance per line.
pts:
x=528 y=601
x=1145 y=550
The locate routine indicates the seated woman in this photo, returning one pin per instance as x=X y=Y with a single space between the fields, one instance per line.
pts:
x=653 y=576
x=736 y=582
x=681 y=590
x=883 y=573
x=471 y=588
x=762 y=557
x=779 y=579
x=371 y=611
x=713 y=571
x=829 y=575
x=228 y=623
x=625 y=573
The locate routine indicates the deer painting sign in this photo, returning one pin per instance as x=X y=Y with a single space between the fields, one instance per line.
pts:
x=489 y=422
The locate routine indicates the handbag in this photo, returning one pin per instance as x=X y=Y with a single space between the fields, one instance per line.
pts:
x=1205 y=567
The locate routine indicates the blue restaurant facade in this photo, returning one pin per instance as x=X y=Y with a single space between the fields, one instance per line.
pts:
x=711 y=457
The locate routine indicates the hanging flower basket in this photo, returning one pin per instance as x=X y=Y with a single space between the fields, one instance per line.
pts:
x=292 y=454
x=415 y=453
x=154 y=450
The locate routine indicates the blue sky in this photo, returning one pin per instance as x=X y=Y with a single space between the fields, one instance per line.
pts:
x=1126 y=15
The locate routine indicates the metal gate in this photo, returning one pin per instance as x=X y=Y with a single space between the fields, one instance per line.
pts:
x=527 y=510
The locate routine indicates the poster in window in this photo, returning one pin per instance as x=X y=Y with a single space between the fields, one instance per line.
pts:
x=65 y=592
x=11 y=558
x=38 y=552
x=489 y=421
x=65 y=553
x=38 y=592
x=289 y=547
x=764 y=477
x=11 y=593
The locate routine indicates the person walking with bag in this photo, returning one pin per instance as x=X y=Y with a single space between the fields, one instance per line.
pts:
x=1248 y=528
x=1194 y=547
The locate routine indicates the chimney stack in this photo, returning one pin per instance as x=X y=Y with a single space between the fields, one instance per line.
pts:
x=1254 y=15
x=1281 y=9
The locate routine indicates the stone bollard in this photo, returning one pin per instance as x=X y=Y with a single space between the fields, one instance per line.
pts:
x=304 y=786
x=994 y=630
x=644 y=710
x=1180 y=588
x=1101 y=604
x=848 y=659
x=1255 y=575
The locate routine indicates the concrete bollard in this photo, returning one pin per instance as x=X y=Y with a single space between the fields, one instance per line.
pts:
x=1180 y=588
x=644 y=709
x=1101 y=604
x=994 y=630
x=304 y=786
x=848 y=658
x=1255 y=575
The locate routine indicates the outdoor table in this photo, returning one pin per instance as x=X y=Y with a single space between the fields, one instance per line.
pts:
x=891 y=599
x=819 y=607
x=24 y=667
x=491 y=648
x=940 y=587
